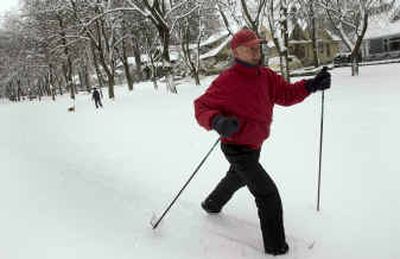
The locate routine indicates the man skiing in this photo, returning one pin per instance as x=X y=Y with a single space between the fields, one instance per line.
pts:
x=239 y=106
x=97 y=98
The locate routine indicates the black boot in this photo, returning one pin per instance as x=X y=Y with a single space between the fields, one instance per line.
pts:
x=209 y=207
x=277 y=251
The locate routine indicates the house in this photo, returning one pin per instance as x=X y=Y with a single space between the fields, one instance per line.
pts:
x=300 y=45
x=301 y=48
x=382 y=38
x=216 y=54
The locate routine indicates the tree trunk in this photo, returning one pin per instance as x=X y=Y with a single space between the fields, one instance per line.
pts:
x=285 y=33
x=138 y=61
x=68 y=81
x=19 y=92
x=49 y=84
x=338 y=25
x=169 y=77
x=52 y=82
x=52 y=85
x=224 y=18
x=128 y=75
x=124 y=60
x=314 y=34
x=273 y=29
x=81 y=80
x=153 y=70
x=185 y=41
x=354 y=67
x=100 y=79
x=111 y=84
x=355 y=53
x=109 y=71
x=68 y=66
x=84 y=74
x=40 y=91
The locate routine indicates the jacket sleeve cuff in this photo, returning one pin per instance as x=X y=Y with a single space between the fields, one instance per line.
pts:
x=309 y=87
x=206 y=119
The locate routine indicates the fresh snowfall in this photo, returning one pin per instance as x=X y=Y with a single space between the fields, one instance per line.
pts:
x=86 y=184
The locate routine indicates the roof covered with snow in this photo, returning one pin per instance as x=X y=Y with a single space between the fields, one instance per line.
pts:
x=215 y=51
x=215 y=37
x=380 y=29
x=383 y=25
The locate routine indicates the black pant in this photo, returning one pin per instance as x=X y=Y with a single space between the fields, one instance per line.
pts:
x=246 y=170
x=97 y=102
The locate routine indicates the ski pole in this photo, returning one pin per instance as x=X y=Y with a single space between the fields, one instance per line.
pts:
x=320 y=144
x=154 y=222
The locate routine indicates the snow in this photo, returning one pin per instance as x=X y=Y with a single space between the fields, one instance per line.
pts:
x=215 y=37
x=381 y=26
x=174 y=55
x=378 y=30
x=215 y=51
x=85 y=184
x=333 y=36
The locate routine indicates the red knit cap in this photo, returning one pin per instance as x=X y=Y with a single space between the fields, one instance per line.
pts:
x=245 y=37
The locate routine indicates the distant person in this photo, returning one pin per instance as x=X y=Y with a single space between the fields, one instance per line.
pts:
x=96 y=97
x=239 y=106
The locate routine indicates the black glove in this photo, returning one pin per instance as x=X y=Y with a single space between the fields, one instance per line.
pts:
x=225 y=126
x=321 y=81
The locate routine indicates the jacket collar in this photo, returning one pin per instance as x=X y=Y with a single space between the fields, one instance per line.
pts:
x=246 y=68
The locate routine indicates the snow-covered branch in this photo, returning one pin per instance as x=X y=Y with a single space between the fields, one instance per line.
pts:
x=188 y=13
x=122 y=9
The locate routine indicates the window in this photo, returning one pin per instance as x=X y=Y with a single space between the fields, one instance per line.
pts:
x=394 y=44
x=320 y=47
x=385 y=45
x=375 y=46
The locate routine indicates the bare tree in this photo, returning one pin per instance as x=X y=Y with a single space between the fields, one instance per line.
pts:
x=28 y=64
x=283 y=18
x=231 y=15
x=253 y=16
x=158 y=13
x=185 y=36
x=277 y=14
x=310 y=11
x=123 y=54
x=191 y=31
x=350 y=20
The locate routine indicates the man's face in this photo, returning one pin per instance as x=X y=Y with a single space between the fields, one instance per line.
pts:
x=249 y=55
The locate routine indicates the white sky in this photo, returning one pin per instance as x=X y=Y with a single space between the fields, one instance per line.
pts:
x=7 y=5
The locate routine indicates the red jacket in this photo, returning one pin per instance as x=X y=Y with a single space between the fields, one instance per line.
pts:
x=249 y=94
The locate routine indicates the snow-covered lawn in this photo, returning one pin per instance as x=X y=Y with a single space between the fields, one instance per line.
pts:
x=85 y=184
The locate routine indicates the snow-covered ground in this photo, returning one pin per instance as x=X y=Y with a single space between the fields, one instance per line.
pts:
x=85 y=184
